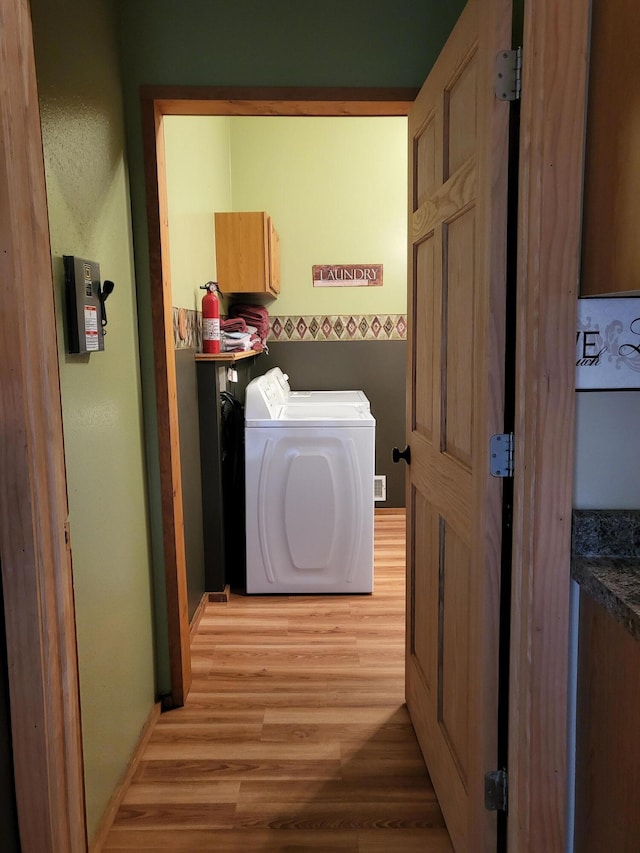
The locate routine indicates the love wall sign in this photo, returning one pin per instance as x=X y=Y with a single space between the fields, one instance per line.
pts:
x=608 y=344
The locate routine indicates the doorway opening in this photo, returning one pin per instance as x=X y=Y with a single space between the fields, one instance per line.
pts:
x=156 y=104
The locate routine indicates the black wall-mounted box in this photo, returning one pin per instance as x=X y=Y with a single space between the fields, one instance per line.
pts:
x=84 y=305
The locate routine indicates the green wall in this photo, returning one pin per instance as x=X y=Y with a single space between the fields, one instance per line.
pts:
x=253 y=43
x=349 y=43
x=89 y=214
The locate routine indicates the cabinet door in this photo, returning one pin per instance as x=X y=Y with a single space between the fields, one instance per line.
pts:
x=610 y=245
x=247 y=254
x=607 y=735
x=274 y=259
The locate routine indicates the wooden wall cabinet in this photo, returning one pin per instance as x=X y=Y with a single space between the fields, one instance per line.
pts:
x=247 y=253
x=611 y=219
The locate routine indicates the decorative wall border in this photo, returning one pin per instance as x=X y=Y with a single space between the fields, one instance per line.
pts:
x=187 y=328
x=339 y=327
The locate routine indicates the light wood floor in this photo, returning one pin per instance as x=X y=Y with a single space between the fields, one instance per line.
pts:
x=295 y=736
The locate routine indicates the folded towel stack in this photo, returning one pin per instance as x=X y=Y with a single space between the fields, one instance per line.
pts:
x=234 y=324
x=237 y=336
x=256 y=321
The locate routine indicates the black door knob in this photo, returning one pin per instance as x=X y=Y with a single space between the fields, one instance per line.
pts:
x=405 y=454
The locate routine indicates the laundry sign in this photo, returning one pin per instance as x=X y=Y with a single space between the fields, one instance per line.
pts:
x=347 y=275
x=608 y=344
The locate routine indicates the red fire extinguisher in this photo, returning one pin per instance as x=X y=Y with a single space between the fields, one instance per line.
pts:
x=210 y=318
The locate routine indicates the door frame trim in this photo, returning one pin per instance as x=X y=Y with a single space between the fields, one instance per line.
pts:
x=156 y=102
x=552 y=133
x=37 y=580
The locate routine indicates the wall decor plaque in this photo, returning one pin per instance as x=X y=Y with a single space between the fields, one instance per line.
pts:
x=347 y=275
x=608 y=344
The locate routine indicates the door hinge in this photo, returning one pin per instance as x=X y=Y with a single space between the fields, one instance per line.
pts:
x=501 y=455
x=508 y=81
x=496 y=791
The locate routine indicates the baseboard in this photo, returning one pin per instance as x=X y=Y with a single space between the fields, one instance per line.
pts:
x=111 y=811
x=220 y=596
x=197 y=616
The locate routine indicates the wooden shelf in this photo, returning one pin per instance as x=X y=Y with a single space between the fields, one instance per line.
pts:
x=229 y=357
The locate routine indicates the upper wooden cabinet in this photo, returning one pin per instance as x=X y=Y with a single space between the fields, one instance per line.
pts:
x=611 y=246
x=247 y=253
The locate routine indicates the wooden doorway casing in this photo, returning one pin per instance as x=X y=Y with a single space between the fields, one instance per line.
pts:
x=552 y=132
x=156 y=102
x=34 y=535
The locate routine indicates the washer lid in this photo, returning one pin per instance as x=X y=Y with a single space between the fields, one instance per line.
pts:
x=314 y=415
x=321 y=398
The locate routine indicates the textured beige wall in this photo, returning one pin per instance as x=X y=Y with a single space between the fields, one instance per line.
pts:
x=337 y=191
x=87 y=187
x=607 y=474
x=335 y=187
x=198 y=182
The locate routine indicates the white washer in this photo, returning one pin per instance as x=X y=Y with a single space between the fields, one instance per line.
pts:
x=280 y=381
x=309 y=494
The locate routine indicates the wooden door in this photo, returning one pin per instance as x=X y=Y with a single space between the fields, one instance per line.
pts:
x=458 y=134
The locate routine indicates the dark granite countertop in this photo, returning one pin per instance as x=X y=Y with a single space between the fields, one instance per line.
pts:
x=606 y=561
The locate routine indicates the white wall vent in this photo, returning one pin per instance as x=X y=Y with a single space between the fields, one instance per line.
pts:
x=380 y=487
